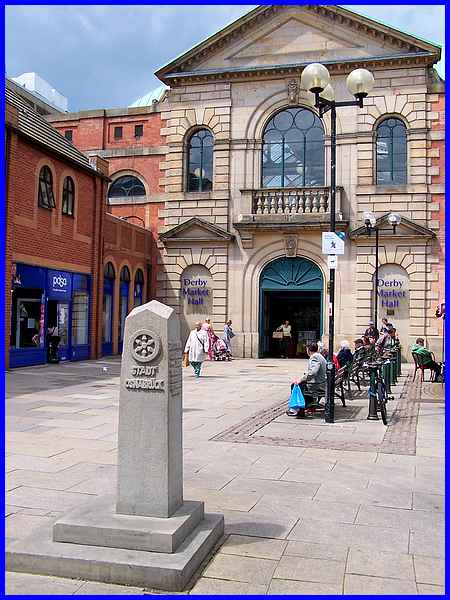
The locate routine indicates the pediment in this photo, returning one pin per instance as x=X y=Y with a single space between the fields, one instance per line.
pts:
x=407 y=228
x=294 y=35
x=196 y=230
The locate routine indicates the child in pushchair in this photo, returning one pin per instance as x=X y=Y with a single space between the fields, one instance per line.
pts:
x=220 y=350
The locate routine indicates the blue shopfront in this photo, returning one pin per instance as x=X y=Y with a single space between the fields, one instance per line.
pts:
x=48 y=300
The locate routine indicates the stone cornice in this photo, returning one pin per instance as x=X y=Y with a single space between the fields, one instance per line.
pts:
x=341 y=67
x=336 y=15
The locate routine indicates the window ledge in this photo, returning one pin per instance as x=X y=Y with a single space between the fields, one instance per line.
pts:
x=411 y=188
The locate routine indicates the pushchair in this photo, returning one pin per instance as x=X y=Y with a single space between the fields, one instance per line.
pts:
x=220 y=350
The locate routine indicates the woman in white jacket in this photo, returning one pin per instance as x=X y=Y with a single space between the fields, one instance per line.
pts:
x=197 y=346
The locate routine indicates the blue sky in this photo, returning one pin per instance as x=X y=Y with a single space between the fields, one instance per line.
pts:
x=105 y=56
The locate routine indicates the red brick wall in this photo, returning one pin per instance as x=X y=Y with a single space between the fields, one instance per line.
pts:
x=47 y=237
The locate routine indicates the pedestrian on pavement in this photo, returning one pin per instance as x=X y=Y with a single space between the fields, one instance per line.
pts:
x=286 y=339
x=427 y=357
x=228 y=334
x=212 y=337
x=197 y=346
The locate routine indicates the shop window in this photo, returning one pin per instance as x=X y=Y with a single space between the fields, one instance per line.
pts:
x=293 y=150
x=391 y=153
x=80 y=321
x=118 y=131
x=27 y=319
x=46 y=199
x=68 y=134
x=125 y=186
x=138 y=287
x=68 y=196
x=200 y=161
x=138 y=131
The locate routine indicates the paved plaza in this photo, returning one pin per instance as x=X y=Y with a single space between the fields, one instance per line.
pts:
x=310 y=508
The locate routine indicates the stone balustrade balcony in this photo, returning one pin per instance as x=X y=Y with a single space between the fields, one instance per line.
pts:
x=273 y=207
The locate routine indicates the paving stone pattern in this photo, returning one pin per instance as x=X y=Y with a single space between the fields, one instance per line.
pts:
x=349 y=508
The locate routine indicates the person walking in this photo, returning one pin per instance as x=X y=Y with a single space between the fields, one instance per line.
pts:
x=228 y=334
x=197 y=347
x=286 y=339
x=212 y=337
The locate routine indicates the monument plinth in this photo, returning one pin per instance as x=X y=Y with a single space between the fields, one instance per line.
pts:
x=148 y=535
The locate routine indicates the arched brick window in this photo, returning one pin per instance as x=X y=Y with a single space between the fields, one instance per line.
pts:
x=68 y=196
x=46 y=198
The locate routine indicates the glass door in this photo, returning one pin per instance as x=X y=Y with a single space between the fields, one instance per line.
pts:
x=63 y=331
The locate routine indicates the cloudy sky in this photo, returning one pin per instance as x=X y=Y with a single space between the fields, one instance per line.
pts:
x=105 y=56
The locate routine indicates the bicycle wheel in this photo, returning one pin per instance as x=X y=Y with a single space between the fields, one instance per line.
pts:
x=381 y=395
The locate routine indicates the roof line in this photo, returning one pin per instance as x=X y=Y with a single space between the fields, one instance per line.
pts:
x=294 y=65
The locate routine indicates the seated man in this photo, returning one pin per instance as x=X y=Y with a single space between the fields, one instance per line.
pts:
x=388 y=341
x=427 y=357
x=371 y=331
x=314 y=383
x=345 y=355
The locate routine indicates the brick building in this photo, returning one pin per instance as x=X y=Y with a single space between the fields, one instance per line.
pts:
x=56 y=254
x=130 y=140
x=247 y=178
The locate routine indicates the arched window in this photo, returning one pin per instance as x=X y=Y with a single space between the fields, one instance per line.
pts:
x=109 y=271
x=46 y=199
x=200 y=161
x=68 y=196
x=125 y=274
x=123 y=302
x=391 y=155
x=127 y=185
x=138 y=287
x=293 y=150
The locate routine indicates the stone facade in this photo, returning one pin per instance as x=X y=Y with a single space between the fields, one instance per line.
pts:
x=232 y=84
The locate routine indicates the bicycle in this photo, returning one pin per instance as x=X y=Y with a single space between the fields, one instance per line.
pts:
x=377 y=389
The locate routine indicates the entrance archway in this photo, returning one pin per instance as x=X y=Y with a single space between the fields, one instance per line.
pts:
x=292 y=289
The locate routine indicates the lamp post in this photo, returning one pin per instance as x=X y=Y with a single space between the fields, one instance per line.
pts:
x=370 y=222
x=316 y=79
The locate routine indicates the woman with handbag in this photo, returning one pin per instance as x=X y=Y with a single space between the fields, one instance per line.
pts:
x=197 y=347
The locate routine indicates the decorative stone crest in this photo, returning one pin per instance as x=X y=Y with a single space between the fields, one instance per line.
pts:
x=145 y=345
x=293 y=89
x=290 y=242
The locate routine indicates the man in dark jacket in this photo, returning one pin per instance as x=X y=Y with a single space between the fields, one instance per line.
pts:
x=372 y=331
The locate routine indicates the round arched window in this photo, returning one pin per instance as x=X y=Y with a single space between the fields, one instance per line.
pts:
x=109 y=271
x=125 y=186
x=293 y=150
x=200 y=161
x=391 y=155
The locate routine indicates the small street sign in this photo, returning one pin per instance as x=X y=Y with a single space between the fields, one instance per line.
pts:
x=332 y=243
x=332 y=261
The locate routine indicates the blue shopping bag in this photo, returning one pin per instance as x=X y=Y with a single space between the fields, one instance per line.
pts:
x=297 y=400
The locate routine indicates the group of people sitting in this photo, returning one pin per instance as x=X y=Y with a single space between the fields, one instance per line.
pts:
x=203 y=344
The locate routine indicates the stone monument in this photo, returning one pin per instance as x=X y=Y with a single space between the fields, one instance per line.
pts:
x=148 y=535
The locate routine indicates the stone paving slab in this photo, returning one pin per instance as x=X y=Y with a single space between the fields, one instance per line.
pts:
x=285 y=505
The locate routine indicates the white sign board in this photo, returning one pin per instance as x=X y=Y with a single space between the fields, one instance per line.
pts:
x=332 y=261
x=332 y=243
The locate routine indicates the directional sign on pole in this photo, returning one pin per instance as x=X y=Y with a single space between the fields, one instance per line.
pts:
x=332 y=261
x=332 y=243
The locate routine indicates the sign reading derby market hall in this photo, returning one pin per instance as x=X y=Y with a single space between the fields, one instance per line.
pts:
x=247 y=178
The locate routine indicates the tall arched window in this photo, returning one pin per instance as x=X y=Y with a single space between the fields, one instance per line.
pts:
x=138 y=287
x=46 y=199
x=391 y=154
x=200 y=161
x=109 y=276
x=293 y=150
x=123 y=302
x=68 y=196
x=125 y=186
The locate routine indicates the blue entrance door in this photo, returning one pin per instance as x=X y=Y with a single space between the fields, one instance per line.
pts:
x=290 y=289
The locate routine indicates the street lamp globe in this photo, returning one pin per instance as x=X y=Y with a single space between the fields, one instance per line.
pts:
x=315 y=78
x=328 y=93
x=360 y=82
x=394 y=219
